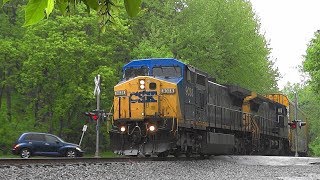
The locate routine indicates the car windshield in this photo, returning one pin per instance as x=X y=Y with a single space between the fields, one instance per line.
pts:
x=172 y=71
x=60 y=139
x=134 y=72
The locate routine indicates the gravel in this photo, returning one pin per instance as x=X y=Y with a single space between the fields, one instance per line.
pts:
x=214 y=168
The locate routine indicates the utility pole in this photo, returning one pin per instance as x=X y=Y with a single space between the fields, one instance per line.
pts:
x=296 y=119
x=97 y=93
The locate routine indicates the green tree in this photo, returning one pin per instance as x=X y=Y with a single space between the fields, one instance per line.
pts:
x=220 y=37
x=155 y=29
x=226 y=36
x=311 y=92
x=50 y=67
x=311 y=63
x=58 y=77
x=10 y=54
x=308 y=102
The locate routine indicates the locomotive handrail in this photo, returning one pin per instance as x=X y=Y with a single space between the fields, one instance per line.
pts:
x=224 y=107
x=166 y=99
x=262 y=120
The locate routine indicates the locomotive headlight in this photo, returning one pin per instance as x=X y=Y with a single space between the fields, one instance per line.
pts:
x=142 y=82
x=122 y=128
x=168 y=91
x=152 y=128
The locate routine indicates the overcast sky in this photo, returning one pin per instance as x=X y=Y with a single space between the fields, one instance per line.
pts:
x=289 y=25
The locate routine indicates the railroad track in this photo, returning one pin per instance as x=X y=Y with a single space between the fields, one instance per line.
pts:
x=83 y=160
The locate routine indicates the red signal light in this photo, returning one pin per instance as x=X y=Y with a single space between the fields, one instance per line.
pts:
x=92 y=115
x=293 y=124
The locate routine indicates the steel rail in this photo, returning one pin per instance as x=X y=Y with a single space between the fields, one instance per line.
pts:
x=84 y=160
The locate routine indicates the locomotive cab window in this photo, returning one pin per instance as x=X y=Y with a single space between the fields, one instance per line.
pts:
x=167 y=71
x=201 y=80
x=134 y=72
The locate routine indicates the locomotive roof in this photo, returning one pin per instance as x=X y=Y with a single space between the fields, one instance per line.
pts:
x=242 y=93
x=153 y=62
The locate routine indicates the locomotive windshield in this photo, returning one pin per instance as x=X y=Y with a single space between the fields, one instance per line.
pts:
x=133 y=72
x=172 y=71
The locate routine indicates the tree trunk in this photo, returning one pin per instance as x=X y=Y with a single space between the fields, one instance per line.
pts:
x=8 y=97
x=3 y=86
x=1 y=93
x=61 y=126
x=50 y=116
x=36 y=111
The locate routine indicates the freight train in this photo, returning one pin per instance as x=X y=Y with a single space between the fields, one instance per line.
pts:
x=166 y=107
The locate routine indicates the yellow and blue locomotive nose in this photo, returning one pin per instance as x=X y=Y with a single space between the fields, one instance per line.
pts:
x=145 y=97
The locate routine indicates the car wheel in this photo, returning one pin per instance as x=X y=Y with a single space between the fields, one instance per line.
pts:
x=147 y=155
x=71 y=153
x=163 y=154
x=25 y=153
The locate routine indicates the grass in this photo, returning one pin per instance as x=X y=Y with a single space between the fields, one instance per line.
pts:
x=105 y=154
x=8 y=156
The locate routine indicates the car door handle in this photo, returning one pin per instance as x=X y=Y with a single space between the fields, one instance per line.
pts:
x=46 y=144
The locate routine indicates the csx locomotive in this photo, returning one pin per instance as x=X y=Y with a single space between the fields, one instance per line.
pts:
x=164 y=106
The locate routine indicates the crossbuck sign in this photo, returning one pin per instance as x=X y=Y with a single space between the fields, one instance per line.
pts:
x=97 y=87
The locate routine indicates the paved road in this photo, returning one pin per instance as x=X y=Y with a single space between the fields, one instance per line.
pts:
x=270 y=160
x=272 y=167
x=219 y=167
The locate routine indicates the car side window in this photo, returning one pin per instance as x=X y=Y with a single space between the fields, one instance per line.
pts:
x=51 y=139
x=28 y=137
x=37 y=137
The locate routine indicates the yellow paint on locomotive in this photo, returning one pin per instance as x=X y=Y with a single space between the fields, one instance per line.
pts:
x=160 y=99
x=250 y=123
x=279 y=98
x=246 y=109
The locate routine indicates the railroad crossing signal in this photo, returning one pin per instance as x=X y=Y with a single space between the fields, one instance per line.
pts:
x=92 y=115
x=97 y=93
x=302 y=124
x=95 y=114
x=293 y=124
x=96 y=90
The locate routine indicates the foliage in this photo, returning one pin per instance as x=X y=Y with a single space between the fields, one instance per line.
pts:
x=220 y=37
x=308 y=102
x=34 y=11
x=229 y=40
x=311 y=96
x=154 y=29
x=54 y=76
x=311 y=64
x=66 y=57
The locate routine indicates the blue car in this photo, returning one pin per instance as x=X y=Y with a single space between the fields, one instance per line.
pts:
x=43 y=144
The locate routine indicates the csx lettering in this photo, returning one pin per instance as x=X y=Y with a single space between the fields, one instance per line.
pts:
x=144 y=96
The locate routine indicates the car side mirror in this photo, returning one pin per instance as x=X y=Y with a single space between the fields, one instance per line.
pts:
x=57 y=142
